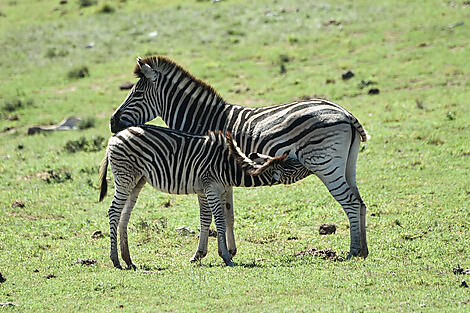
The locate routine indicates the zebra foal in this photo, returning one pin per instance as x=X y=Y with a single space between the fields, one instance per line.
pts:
x=180 y=163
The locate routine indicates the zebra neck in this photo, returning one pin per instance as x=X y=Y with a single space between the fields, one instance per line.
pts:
x=195 y=109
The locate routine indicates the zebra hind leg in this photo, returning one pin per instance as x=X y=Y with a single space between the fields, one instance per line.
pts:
x=123 y=222
x=329 y=164
x=205 y=218
x=351 y=179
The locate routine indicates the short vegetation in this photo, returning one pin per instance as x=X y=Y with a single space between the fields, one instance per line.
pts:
x=402 y=68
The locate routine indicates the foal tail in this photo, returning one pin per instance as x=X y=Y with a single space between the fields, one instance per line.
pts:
x=103 y=172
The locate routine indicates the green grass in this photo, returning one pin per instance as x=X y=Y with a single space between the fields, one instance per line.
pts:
x=413 y=174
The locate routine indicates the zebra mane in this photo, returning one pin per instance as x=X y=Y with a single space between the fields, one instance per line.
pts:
x=164 y=65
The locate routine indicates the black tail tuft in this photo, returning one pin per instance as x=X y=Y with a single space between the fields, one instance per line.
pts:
x=103 y=182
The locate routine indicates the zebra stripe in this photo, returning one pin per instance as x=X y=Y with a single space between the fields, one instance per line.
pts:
x=321 y=135
x=180 y=163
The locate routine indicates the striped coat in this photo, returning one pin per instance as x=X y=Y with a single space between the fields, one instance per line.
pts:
x=323 y=137
x=180 y=163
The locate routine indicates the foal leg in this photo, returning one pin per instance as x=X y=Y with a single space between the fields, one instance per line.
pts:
x=215 y=199
x=205 y=219
x=229 y=218
x=114 y=213
x=125 y=215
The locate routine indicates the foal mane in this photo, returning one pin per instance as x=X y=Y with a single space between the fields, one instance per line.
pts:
x=164 y=65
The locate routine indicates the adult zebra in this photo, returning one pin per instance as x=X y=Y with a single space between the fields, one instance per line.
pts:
x=321 y=135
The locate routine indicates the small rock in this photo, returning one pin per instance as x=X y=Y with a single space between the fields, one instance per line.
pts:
x=2 y=279
x=17 y=204
x=90 y=45
x=7 y=304
x=97 y=234
x=126 y=85
x=374 y=91
x=347 y=75
x=87 y=262
x=327 y=229
x=153 y=34
x=185 y=231
x=464 y=284
x=50 y=276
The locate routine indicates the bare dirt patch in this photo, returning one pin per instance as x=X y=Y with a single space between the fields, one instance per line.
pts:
x=97 y=234
x=87 y=262
x=17 y=204
x=325 y=254
x=327 y=229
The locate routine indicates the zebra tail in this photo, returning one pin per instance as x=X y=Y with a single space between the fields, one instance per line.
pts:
x=364 y=135
x=103 y=173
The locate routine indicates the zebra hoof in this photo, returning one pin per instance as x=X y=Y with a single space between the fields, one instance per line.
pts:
x=118 y=266
x=358 y=253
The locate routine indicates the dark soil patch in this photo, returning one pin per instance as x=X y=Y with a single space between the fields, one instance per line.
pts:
x=2 y=279
x=17 y=204
x=87 y=262
x=325 y=254
x=50 y=276
x=327 y=229
x=374 y=91
x=83 y=144
x=464 y=284
x=97 y=234
x=79 y=72
x=347 y=75
x=55 y=176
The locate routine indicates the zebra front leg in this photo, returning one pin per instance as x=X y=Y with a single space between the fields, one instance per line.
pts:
x=124 y=220
x=229 y=218
x=215 y=199
x=114 y=213
x=205 y=219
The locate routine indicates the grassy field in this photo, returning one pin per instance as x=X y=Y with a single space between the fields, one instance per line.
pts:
x=414 y=173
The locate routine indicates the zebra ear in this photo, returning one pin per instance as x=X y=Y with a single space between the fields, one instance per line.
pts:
x=145 y=69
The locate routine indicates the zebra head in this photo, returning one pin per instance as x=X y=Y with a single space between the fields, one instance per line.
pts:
x=139 y=105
